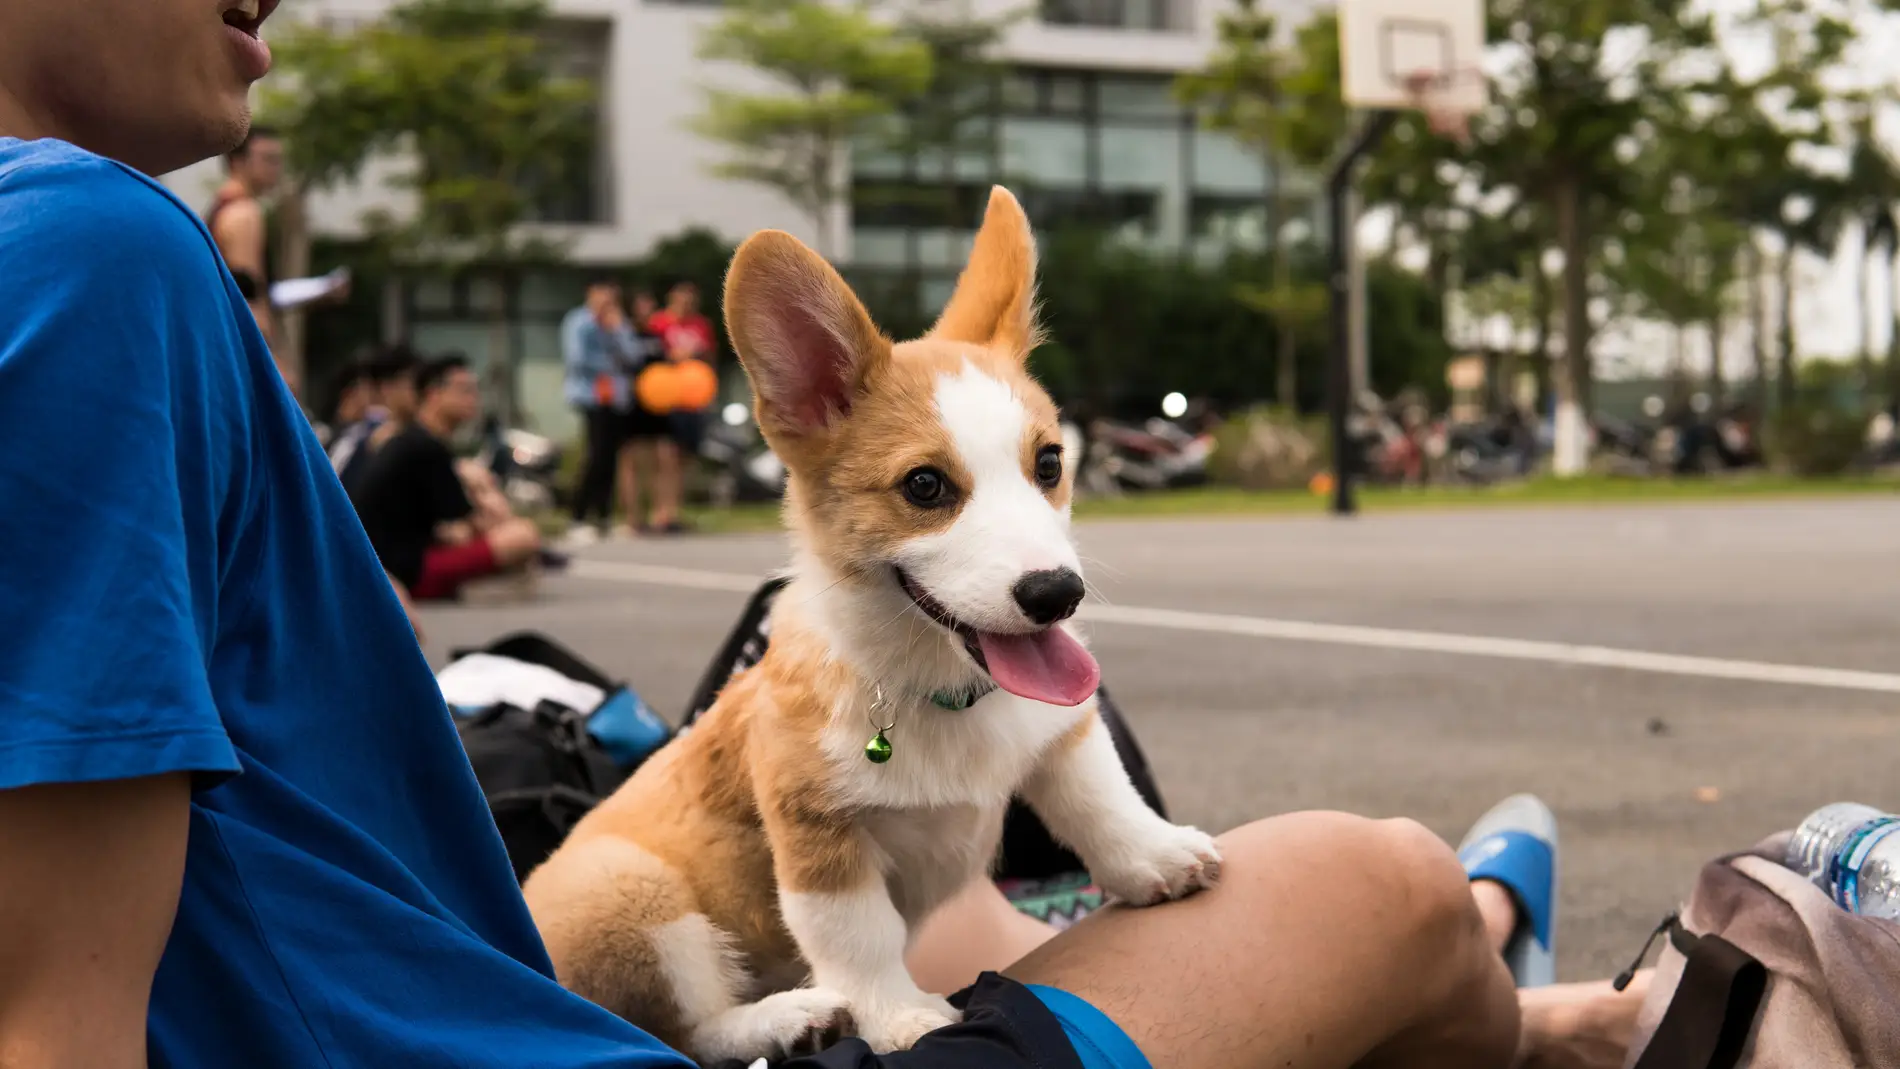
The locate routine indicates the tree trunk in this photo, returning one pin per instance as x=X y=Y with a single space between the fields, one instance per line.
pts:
x=1865 y=277
x=1573 y=383
x=1544 y=310
x=1286 y=366
x=1679 y=362
x=293 y=261
x=1893 y=335
x=1784 y=373
x=501 y=338
x=1718 y=385
x=1755 y=279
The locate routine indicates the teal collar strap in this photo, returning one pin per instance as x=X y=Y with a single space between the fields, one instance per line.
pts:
x=956 y=701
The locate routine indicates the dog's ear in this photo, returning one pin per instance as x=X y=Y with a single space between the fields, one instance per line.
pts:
x=995 y=299
x=806 y=342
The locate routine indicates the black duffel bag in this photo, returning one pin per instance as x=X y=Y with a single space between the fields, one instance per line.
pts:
x=541 y=770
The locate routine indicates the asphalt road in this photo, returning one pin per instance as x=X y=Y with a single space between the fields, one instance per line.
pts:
x=1262 y=709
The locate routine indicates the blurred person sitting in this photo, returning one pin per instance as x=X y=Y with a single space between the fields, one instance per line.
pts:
x=416 y=507
x=351 y=394
x=391 y=407
x=685 y=334
x=595 y=341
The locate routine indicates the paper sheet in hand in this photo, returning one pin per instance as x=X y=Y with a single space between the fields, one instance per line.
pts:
x=292 y=292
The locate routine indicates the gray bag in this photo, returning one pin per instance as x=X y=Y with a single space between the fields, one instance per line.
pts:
x=1763 y=971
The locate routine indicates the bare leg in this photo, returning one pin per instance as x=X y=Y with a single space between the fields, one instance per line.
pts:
x=975 y=932
x=514 y=542
x=627 y=475
x=1332 y=941
x=1498 y=909
x=1566 y=1026
x=667 y=489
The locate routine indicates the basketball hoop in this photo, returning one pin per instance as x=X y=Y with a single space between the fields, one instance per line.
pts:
x=1432 y=94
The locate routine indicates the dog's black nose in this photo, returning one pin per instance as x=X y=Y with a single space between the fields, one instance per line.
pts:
x=1048 y=596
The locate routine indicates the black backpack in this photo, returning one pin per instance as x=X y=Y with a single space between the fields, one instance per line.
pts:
x=540 y=768
x=1029 y=851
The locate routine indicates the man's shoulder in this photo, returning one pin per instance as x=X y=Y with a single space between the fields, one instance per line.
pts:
x=65 y=202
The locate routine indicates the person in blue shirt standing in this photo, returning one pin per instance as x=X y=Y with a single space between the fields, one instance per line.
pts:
x=237 y=827
x=595 y=341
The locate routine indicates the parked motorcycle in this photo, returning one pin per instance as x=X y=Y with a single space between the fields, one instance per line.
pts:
x=744 y=468
x=1388 y=444
x=1159 y=455
x=527 y=465
x=1484 y=452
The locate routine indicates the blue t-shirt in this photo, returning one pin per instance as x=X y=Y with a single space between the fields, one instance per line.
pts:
x=185 y=588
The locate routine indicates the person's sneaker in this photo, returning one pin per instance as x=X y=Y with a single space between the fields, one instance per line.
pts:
x=1515 y=845
x=580 y=536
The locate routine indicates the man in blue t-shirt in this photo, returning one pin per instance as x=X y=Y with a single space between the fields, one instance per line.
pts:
x=237 y=827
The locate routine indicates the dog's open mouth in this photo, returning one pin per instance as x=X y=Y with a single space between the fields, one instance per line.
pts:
x=1046 y=666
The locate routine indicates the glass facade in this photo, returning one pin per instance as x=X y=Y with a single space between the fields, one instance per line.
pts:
x=1112 y=151
x=1119 y=14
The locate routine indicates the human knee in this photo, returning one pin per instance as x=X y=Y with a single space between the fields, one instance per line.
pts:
x=1434 y=884
x=515 y=539
x=1422 y=890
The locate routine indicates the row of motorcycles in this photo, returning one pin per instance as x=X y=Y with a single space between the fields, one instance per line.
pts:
x=1396 y=442
x=741 y=468
x=1402 y=443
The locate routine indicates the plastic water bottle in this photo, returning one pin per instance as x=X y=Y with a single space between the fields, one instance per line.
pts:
x=1852 y=852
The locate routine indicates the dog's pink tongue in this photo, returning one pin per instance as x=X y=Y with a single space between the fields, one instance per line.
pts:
x=1048 y=666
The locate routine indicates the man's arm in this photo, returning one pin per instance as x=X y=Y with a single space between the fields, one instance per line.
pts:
x=89 y=881
x=94 y=764
x=240 y=237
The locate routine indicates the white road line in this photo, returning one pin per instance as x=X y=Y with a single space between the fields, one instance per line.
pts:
x=659 y=575
x=1384 y=638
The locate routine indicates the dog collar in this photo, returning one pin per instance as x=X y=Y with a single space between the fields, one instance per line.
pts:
x=879 y=749
x=955 y=701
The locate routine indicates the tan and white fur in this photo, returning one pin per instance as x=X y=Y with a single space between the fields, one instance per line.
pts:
x=757 y=882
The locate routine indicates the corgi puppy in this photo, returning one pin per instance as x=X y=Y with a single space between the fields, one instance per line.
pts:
x=755 y=884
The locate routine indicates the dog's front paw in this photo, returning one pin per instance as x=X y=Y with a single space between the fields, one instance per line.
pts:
x=896 y=1026
x=1163 y=861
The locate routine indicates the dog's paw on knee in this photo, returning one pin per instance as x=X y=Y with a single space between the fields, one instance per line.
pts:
x=1168 y=862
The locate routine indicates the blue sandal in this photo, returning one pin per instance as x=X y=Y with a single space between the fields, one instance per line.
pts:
x=1515 y=845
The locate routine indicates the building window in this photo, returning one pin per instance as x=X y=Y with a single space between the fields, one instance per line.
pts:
x=581 y=189
x=1110 y=151
x=1119 y=14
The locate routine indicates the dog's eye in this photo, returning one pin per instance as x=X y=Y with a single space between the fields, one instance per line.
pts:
x=926 y=488
x=1049 y=466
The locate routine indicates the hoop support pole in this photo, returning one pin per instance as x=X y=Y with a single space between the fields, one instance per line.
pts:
x=1339 y=284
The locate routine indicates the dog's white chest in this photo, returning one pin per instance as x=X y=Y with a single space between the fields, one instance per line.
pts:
x=928 y=854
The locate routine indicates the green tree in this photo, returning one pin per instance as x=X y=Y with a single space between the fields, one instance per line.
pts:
x=1754 y=157
x=1243 y=90
x=945 y=132
x=839 y=74
x=467 y=97
x=1872 y=193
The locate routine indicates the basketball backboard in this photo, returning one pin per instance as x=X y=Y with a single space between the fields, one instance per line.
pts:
x=1385 y=45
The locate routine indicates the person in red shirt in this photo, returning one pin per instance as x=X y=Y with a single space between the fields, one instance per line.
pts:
x=685 y=335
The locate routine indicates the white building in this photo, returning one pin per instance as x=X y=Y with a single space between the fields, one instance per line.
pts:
x=1085 y=127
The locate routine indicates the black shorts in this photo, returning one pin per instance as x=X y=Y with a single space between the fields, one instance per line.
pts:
x=1004 y=1026
x=687 y=429
x=641 y=425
